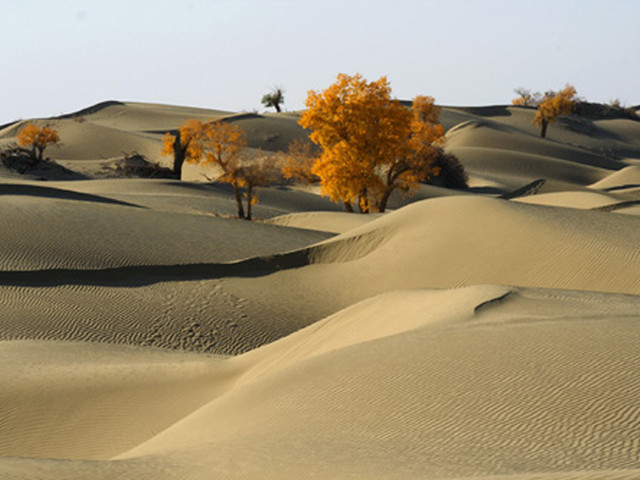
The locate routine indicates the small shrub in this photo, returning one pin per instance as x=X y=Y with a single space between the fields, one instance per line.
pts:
x=136 y=165
x=18 y=159
x=21 y=161
x=452 y=173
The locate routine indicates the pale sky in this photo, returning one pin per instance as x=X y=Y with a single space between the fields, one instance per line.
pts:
x=59 y=56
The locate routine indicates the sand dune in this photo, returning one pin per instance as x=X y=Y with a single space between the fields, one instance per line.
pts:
x=419 y=246
x=334 y=222
x=110 y=397
x=143 y=117
x=94 y=138
x=118 y=234
x=500 y=143
x=514 y=169
x=444 y=400
x=146 y=333
x=579 y=199
x=626 y=178
x=444 y=405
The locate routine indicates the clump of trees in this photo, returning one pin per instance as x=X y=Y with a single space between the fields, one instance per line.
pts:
x=221 y=144
x=370 y=145
x=36 y=139
x=274 y=99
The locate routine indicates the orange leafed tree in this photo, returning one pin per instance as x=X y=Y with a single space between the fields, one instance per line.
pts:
x=221 y=144
x=178 y=145
x=371 y=145
x=298 y=162
x=554 y=105
x=424 y=142
x=38 y=139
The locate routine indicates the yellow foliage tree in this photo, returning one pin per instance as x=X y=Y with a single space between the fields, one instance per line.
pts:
x=221 y=145
x=299 y=161
x=554 y=105
x=371 y=145
x=178 y=145
x=38 y=139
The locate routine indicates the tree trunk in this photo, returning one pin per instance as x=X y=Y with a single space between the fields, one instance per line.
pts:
x=543 y=129
x=178 y=156
x=249 y=200
x=348 y=207
x=238 y=194
x=277 y=105
x=41 y=152
x=384 y=200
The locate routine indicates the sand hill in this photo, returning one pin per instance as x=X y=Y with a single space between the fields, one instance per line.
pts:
x=148 y=334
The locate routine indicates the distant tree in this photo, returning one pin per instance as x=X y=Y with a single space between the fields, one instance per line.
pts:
x=525 y=98
x=261 y=172
x=274 y=98
x=617 y=108
x=371 y=145
x=178 y=145
x=616 y=104
x=299 y=161
x=553 y=105
x=37 y=139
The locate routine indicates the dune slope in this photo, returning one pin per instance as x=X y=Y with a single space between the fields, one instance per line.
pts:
x=428 y=395
x=235 y=306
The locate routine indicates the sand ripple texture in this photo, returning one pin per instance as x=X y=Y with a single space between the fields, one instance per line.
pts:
x=58 y=231
x=139 y=295
x=429 y=395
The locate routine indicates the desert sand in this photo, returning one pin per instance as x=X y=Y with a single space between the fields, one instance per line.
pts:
x=146 y=333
